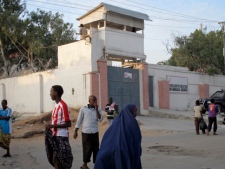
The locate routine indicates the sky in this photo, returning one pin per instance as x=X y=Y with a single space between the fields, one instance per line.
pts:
x=169 y=18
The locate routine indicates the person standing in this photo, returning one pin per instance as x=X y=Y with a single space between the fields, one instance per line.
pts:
x=6 y=127
x=116 y=111
x=57 y=144
x=198 y=117
x=88 y=117
x=121 y=143
x=109 y=108
x=82 y=32
x=213 y=110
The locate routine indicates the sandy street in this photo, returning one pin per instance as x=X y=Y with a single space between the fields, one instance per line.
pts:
x=167 y=144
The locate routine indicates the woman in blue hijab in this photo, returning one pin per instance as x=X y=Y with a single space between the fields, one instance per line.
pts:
x=121 y=143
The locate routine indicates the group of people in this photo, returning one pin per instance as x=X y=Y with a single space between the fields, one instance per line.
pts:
x=212 y=119
x=124 y=133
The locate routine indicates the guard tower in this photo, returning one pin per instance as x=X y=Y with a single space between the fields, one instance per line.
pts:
x=120 y=30
x=114 y=34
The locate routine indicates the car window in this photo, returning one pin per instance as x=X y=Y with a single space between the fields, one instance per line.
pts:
x=218 y=94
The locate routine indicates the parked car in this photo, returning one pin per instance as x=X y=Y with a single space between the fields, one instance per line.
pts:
x=219 y=97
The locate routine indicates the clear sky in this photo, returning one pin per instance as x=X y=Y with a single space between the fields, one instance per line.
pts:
x=169 y=17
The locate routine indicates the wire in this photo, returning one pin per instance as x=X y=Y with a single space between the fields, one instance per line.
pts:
x=54 y=9
x=60 y=5
x=175 y=20
x=97 y=17
x=170 y=11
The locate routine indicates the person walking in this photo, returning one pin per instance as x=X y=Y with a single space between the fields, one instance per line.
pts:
x=121 y=143
x=57 y=144
x=5 y=127
x=198 y=117
x=88 y=117
x=213 y=110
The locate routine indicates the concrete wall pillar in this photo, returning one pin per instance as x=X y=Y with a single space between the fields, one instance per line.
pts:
x=3 y=93
x=40 y=95
x=164 y=94
x=203 y=90
x=103 y=82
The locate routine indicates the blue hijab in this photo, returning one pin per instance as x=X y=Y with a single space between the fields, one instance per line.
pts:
x=121 y=143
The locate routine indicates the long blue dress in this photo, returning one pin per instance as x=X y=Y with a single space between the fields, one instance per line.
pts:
x=121 y=143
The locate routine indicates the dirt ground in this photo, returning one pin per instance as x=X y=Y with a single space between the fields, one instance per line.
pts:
x=25 y=127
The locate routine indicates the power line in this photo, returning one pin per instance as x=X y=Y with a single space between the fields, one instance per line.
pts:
x=54 y=9
x=60 y=5
x=175 y=20
x=170 y=11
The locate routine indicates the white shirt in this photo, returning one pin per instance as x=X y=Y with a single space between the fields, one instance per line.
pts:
x=87 y=117
x=197 y=110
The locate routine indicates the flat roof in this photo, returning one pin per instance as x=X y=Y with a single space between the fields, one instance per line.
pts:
x=119 y=10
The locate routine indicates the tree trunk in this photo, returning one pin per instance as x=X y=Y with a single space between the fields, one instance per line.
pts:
x=5 y=67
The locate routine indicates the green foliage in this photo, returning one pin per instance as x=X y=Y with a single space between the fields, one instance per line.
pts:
x=30 y=38
x=200 y=51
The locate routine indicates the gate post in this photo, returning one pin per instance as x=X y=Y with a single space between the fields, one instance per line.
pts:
x=103 y=83
x=144 y=97
x=94 y=85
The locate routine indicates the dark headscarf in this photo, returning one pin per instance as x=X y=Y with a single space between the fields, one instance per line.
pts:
x=121 y=143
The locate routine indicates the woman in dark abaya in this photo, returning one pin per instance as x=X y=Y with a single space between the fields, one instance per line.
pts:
x=121 y=143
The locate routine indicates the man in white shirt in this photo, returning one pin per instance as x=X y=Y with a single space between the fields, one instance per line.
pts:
x=89 y=116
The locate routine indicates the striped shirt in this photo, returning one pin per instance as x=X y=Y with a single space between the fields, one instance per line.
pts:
x=60 y=115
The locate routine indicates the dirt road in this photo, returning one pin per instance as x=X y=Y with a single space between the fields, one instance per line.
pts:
x=167 y=144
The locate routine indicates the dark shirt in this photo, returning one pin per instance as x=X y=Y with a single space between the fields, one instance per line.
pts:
x=109 y=112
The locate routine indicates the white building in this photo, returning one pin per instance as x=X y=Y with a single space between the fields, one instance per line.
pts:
x=84 y=68
x=115 y=34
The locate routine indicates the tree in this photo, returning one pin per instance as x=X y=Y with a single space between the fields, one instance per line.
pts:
x=200 y=51
x=10 y=12
x=30 y=39
x=44 y=33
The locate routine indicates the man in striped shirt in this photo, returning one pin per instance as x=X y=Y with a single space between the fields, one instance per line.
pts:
x=56 y=136
x=89 y=116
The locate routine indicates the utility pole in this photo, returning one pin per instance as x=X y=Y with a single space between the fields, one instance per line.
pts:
x=222 y=24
